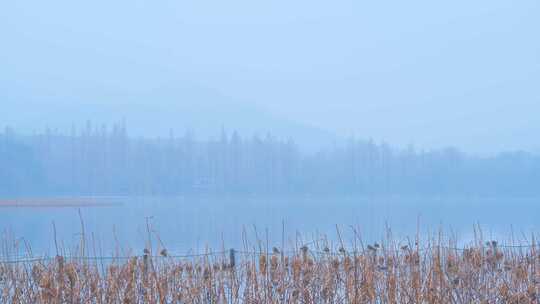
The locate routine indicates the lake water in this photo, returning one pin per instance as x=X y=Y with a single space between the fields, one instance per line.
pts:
x=190 y=224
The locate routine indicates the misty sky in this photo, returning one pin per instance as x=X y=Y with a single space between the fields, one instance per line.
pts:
x=432 y=73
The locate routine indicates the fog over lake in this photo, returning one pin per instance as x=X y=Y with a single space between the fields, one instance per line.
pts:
x=210 y=118
x=190 y=224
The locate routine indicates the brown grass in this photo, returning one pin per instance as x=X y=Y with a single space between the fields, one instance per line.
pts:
x=389 y=272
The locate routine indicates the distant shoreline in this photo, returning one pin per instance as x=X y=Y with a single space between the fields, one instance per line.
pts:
x=55 y=203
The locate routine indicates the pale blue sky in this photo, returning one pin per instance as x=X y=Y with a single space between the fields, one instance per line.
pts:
x=432 y=73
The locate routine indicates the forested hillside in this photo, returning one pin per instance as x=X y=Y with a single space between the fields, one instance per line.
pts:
x=107 y=161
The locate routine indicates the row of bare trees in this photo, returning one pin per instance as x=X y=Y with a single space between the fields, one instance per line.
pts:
x=106 y=161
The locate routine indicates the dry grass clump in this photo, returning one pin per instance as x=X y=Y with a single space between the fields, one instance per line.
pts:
x=389 y=272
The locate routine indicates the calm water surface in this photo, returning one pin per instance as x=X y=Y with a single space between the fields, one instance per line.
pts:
x=192 y=224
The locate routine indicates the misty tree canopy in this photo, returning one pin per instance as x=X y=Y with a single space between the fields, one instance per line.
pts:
x=106 y=161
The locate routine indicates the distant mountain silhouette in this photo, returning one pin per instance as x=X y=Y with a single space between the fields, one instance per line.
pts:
x=155 y=113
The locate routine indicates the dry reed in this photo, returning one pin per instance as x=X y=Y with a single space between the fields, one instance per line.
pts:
x=389 y=272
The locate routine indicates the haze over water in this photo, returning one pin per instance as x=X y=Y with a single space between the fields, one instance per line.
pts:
x=211 y=117
x=187 y=225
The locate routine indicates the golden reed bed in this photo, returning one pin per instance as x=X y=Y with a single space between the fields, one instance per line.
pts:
x=390 y=272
